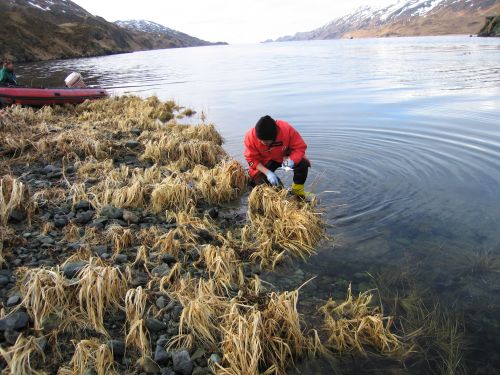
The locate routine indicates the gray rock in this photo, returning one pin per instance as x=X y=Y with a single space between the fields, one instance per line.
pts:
x=149 y=366
x=13 y=300
x=50 y=169
x=155 y=325
x=84 y=217
x=162 y=341
x=60 y=221
x=161 y=302
x=112 y=212
x=4 y=280
x=200 y=352
x=83 y=205
x=71 y=269
x=161 y=270
x=121 y=258
x=130 y=217
x=117 y=348
x=15 y=321
x=182 y=363
x=201 y=371
x=167 y=371
x=100 y=249
x=136 y=131
x=46 y=239
x=169 y=259
x=17 y=215
x=215 y=358
x=132 y=144
x=161 y=355
x=42 y=342
x=11 y=336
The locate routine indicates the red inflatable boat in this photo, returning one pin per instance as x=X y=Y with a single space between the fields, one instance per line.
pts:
x=41 y=97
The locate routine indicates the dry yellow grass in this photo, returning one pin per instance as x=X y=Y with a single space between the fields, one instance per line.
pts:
x=19 y=357
x=90 y=355
x=279 y=224
x=137 y=334
x=101 y=289
x=13 y=194
x=355 y=324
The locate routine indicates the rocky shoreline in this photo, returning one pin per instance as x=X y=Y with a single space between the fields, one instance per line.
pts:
x=121 y=252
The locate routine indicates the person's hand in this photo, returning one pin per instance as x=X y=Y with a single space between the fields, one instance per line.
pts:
x=288 y=163
x=272 y=178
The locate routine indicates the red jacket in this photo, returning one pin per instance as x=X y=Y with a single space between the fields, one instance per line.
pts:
x=288 y=143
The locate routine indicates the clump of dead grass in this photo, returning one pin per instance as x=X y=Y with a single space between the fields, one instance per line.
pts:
x=91 y=355
x=13 y=195
x=354 y=324
x=281 y=224
x=20 y=356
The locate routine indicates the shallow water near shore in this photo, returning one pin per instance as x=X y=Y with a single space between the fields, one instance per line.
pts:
x=404 y=137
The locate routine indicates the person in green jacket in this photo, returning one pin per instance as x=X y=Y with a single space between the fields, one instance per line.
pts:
x=7 y=75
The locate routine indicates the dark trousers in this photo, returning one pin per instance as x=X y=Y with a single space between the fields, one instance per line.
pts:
x=299 y=172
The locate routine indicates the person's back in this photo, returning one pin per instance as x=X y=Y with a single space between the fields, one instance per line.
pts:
x=7 y=75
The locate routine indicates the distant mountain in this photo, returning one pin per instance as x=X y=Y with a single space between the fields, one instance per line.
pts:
x=407 y=18
x=32 y=30
x=160 y=34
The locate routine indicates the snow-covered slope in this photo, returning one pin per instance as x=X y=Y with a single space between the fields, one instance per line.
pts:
x=407 y=17
x=160 y=31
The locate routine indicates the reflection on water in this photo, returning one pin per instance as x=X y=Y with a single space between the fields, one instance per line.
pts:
x=404 y=136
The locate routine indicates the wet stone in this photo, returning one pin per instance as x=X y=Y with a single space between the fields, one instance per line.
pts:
x=4 y=280
x=169 y=259
x=136 y=131
x=83 y=205
x=161 y=302
x=11 y=336
x=215 y=358
x=60 y=221
x=201 y=371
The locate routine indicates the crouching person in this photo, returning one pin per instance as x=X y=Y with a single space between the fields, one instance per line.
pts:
x=272 y=144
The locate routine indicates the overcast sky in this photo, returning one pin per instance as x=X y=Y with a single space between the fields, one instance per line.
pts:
x=233 y=21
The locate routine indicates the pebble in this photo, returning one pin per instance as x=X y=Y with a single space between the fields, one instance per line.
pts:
x=169 y=259
x=46 y=239
x=161 y=355
x=130 y=217
x=136 y=131
x=161 y=270
x=84 y=217
x=155 y=325
x=148 y=365
x=11 y=336
x=162 y=341
x=112 y=212
x=17 y=215
x=4 y=280
x=60 y=221
x=121 y=258
x=117 y=347
x=71 y=269
x=161 y=302
x=182 y=363
x=15 y=321
x=100 y=249
x=132 y=144
x=83 y=205
x=215 y=358
x=13 y=300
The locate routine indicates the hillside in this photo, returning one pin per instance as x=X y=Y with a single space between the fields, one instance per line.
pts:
x=158 y=34
x=34 y=30
x=407 y=18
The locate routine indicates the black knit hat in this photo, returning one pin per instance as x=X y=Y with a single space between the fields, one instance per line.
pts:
x=266 y=129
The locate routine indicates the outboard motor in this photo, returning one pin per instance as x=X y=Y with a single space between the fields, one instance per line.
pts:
x=75 y=80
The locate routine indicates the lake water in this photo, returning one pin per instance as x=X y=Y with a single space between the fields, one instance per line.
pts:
x=404 y=138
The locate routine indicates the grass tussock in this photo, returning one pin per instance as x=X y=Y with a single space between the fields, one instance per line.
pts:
x=101 y=289
x=20 y=356
x=137 y=334
x=281 y=224
x=13 y=195
x=91 y=356
x=355 y=324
